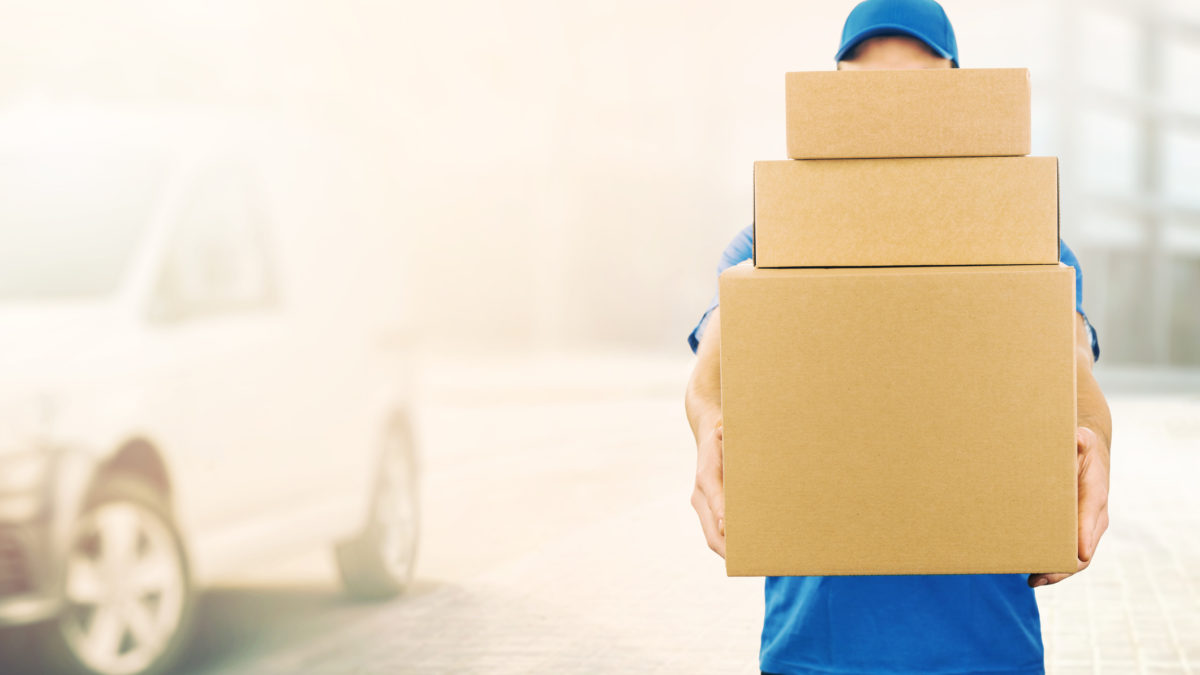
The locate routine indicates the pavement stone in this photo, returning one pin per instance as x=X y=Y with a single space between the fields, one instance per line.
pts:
x=570 y=547
x=558 y=538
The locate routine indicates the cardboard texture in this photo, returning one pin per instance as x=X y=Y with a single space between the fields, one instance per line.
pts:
x=899 y=420
x=953 y=112
x=896 y=212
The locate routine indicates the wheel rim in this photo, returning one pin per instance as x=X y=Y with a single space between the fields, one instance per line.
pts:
x=124 y=589
x=395 y=511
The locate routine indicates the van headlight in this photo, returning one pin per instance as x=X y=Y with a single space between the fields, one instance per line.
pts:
x=25 y=463
x=24 y=431
x=23 y=479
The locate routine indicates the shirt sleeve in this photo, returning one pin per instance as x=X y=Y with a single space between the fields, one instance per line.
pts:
x=739 y=250
x=1067 y=256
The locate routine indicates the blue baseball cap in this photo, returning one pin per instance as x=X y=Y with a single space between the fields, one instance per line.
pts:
x=924 y=20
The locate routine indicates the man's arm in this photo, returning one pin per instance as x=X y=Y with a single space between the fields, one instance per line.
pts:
x=703 y=404
x=1093 y=438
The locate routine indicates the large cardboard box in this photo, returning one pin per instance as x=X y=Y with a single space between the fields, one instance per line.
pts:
x=952 y=112
x=906 y=212
x=899 y=420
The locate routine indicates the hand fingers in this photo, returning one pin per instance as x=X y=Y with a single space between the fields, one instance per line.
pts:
x=1093 y=504
x=710 y=478
x=1093 y=494
x=708 y=497
x=1093 y=522
x=1101 y=528
x=709 y=483
x=716 y=504
x=708 y=522
x=1036 y=580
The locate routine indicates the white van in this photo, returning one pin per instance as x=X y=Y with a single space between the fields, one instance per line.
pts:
x=198 y=370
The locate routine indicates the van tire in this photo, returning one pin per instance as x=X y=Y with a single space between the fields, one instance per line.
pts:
x=123 y=490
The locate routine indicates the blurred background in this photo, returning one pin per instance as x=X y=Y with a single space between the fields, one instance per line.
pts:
x=587 y=162
x=286 y=265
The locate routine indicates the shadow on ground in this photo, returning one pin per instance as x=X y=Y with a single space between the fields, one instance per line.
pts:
x=236 y=626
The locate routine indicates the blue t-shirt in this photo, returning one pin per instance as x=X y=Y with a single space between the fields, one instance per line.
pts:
x=983 y=624
x=741 y=249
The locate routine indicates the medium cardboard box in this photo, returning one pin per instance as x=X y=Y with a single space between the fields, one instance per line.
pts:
x=906 y=212
x=899 y=420
x=952 y=112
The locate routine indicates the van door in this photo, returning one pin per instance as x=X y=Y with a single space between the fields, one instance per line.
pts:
x=227 y=379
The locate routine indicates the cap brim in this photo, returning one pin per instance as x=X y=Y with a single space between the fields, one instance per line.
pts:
x=891 y=29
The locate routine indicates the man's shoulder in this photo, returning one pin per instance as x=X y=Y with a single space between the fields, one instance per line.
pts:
x=1066 y=255
x=740 y=249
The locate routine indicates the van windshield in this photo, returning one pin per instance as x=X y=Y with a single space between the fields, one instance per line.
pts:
x=71 y=220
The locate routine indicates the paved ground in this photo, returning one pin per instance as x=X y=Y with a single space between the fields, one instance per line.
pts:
x=558 y=539
x=1137 y=608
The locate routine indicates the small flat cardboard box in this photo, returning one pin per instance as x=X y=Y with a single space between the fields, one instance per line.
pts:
x=906 y=212
x=952 y=112
x=899 y=420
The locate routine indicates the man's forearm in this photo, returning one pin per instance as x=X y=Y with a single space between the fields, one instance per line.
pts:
x=703 y=398
x=1092 y=409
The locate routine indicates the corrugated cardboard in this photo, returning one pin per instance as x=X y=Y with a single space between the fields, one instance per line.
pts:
x=886 y=212
x=952 y=112
x=899 y=420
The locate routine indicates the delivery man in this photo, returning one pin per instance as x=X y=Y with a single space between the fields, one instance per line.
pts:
x=870 y=625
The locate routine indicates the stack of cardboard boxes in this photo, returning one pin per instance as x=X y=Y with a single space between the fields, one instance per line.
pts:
x=898 y=371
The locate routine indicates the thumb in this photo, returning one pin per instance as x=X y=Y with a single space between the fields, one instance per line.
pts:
x=1085 y=439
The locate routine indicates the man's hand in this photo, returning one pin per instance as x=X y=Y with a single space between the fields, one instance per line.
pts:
x=708 y=497
x=703 y=404
x=1092 y=461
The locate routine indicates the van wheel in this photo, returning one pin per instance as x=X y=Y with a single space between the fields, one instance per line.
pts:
x=128 y=599
x=378 y=563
